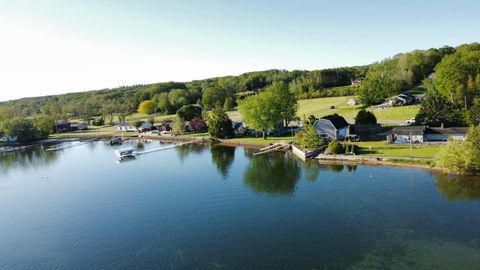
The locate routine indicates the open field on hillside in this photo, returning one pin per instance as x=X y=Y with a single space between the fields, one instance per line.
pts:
x=397 y=113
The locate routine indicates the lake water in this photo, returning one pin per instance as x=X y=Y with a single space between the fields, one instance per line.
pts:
x=202 y=207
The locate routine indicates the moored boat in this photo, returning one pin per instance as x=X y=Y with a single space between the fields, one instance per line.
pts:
x=126 y=152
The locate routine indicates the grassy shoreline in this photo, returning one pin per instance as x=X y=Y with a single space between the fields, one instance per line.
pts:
x=389 y=154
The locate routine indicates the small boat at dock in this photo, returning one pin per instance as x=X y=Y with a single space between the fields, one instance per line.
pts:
x=116 y=141
x=126 y=153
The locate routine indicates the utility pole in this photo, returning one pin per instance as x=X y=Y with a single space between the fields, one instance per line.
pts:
x=411 y=155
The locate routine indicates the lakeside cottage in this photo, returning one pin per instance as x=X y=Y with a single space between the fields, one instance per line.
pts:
x=401 y=100
x=357 y=81
x=332 y=127
x=420 y=134
x=239 y=128
x=145 y=127
x=125 y=127
x=80 y=126
x=62 y=126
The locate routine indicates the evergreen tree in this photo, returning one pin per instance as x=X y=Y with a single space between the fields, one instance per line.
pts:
x=219 y=124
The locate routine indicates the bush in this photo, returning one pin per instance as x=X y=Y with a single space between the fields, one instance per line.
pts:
x=188 y=112
x=308 y=137
x=178 y=126
x=98 y=121
x=365 y=118
x=351 y=149
x=138 y=124
x=335 y=148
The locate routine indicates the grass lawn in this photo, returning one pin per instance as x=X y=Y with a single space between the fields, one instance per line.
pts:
x=269 y=140
x=381 y=148
x=145 y=117
x=91 y=132
x=397 y=113
x=321 y=107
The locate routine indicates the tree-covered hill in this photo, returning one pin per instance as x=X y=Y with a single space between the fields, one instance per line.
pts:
x=383 y=79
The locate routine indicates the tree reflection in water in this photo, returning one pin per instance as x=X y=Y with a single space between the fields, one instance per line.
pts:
x=222 y=158
x=459 y=188
x=31 y=158
x=274 y=174
x=185 y=150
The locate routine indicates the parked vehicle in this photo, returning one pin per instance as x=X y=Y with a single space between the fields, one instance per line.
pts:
x=410 y=121
x=353 y=138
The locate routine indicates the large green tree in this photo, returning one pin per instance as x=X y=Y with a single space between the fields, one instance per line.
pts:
x=274 y=107
x=437 y=110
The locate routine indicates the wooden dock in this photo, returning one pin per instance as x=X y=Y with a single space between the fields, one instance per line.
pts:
x=274 y=147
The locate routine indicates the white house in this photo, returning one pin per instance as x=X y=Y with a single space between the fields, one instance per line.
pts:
x=125 y=127
x=332 y=127
x=8 y=139
x=420 y=134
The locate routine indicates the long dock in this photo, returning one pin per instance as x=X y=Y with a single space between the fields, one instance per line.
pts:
x=167 y=147
x=71 y=146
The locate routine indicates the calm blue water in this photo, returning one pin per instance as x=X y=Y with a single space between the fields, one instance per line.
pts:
x=201 y=207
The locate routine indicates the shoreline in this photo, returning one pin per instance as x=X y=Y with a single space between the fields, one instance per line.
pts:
x=338 y=159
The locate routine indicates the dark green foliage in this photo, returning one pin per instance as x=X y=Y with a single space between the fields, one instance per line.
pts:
x=138 y=124
x=222 y=158
x=365 y=118
x=23 y=128
x=351 y=149
x=188 y=112
x=219 y=124
x=437 y=110
x=98 y=121
x=397 y=74
x=335 y=148
x=272 y=175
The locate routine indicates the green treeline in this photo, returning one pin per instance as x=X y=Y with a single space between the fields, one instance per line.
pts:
x=168 y=97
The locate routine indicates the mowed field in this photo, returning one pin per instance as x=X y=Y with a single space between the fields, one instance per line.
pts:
x=321 y=107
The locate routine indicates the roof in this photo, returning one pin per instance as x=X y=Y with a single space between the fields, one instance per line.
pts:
x=61 y=122
x=409 y=130
x=336 y=120
x=124 y=124
x=448 y=131
x=79 y=124
x=237 y=125
x=146 y=125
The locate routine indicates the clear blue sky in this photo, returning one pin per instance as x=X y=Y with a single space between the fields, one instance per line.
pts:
x=51 y=47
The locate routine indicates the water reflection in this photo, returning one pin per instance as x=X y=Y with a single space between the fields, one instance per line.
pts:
x=31 y=158
x=184 y=151
x=458 y=188
x=275 y=174
x=222 y=158
x=312 y=170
